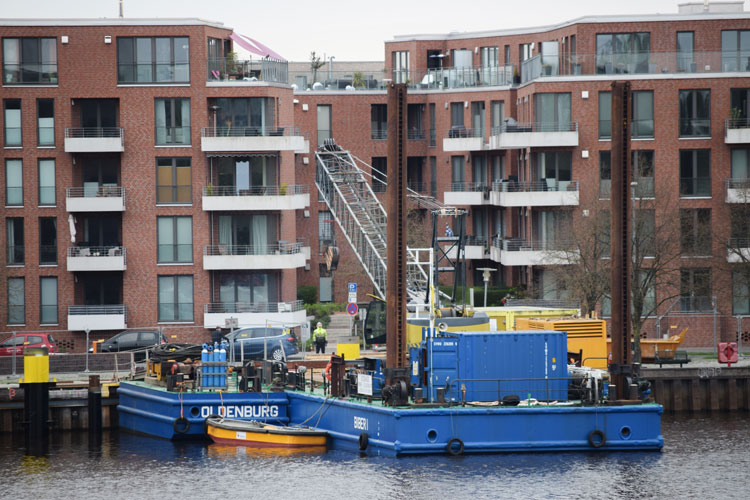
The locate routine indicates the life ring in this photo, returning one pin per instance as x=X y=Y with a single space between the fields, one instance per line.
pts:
x=597 y=438
x=455 y=451
x=364 y=440
x=181 y=425
x=327 y=371
x=205 y=423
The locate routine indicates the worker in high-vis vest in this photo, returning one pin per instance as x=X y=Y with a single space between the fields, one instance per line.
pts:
x=320 y=336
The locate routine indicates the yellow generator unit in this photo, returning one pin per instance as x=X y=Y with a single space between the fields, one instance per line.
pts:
x=586 y=335
x=506 y=317
x=479 y=322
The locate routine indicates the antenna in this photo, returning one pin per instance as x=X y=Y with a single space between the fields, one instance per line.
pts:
x=121 y=9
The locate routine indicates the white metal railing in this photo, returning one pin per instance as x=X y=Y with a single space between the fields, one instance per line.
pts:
x=96 y=251
x=283 y=190
x=95 y=192
x=518 y=245
x=95 y=133
x=515 y=127
x=506 y=186
x=254 y=131
x=252 y=307
x=107 y=309
x=280 y=248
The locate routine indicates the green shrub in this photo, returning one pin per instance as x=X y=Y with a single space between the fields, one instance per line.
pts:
x=308 y=294
x=322 y=312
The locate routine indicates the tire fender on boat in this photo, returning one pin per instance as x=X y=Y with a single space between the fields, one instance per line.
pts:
x=364 y=440
x=205 y=422
x=459 y=450
x=181 y=425
x=597 y=438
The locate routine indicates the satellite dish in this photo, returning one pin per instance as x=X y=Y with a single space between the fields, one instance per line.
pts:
x=294 y=86
x=317 y=86
x=349 y=87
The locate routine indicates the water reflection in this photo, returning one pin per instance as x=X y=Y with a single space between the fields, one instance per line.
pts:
x=704 y=456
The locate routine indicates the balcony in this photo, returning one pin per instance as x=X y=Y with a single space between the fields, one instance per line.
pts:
x=738 y=250
x=94 y=140
x=464 y=139
x=253 y=314
x=95 y=199
x=737 y=191
x=516 y=252
x=235 y=72
x=228 y=198
x=109 y=258
x=737 y=131
x=475 y=247
x=281 y=255
x=102 y=317
x=534 y=135
x=240 y=139
x=468 y=193
x=544 y=193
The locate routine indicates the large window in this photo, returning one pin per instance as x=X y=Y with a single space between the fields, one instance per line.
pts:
x=400 y=66
x=622 y=53
x=433 y=126
x=642 y=166
x=13 y=183
x=414 y=114
x=735 y=50
x=175 y=298
x=153 y=60
x=695 y=172
x=477 y=118
x=47 y=240
x=14 y=242
x=174 y=180
x=324 y=123
x=695 y=113
x=16 y=301
x=379 y=122
x=489 y=56
x=643 y=114
x=605 y=115
x=458 y=174
x=45 y=122
x=414 y=173
x=48 y=300
x=175 y=236
x=552 y=112
x=685 y=61
x=325 y=230
x=243 y=175
x=457 y=115
x=29 y=60
x=695 y=232
x=497 y=115
x=741 y=164
x=47 y=182
x=246 y=288
x=695 y=290
x=740 y=107
x=554 y=169
x=12 y=122
x=379 y=174
x=172 y=121
x=740 y=293
x=245 y=116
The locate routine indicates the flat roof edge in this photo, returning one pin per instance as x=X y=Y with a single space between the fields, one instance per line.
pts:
x=106 y=21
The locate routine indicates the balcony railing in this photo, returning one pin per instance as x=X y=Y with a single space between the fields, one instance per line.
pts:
x=95 y=192
x=415 y=135
x=735 y=123
x=535 y=127
x=283 y=190
x=263 y=70
x=695 y=304
x=506 y=186
x=461 y=132
x=280 y=248
x=469 y=187
x=113 y=309
x=94 y=252
x=94 y=133
x=695 y=127
x=472 y=240
x=738 y=183
x=695 y=187
x=29 y=74
x=379 y=135
x=242 y=131
x=253 y=307
x=517 y=245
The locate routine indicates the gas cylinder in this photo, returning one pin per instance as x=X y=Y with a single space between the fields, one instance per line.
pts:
x=204 y=358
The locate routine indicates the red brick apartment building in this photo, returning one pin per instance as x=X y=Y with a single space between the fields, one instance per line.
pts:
x=189 y=178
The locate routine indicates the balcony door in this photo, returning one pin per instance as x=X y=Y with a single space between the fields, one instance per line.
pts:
x=101 y=288
x=98 y=113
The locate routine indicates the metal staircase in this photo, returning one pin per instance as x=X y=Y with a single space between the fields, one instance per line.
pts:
x=345 y=189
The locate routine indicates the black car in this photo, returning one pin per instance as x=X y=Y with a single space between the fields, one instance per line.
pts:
x=131 y=340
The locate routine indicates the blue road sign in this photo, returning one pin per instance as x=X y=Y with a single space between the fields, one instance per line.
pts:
x=352 y=288
x=352 y=308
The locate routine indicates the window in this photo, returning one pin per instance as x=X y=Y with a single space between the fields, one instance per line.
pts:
x=458 y=175
x=13 y=183
x=507 y=55
x=433 y=176
x=735 y=50
x=16 y=301
x=695 y=232
x=553 y=227
x=695 y=290
x=244 y=234
x=497 y=114
x=695 y=113
x=400 y=61
x=642 y=164
x=29 y=60
x=414 y=114
x=741 y=164
x=153 y=60
x=174 y=180
x=457 y=115
x=433 y=132
x=489 y=56
x=240 y=175
x=622 y=53
x=324 y=123
x=325 y=230
x=605 y=115
x=14 y=240
x=48 y=300
x=643 y=114
x=740 y=108
x=246 y=288
x=379 y=173
x=552 y=112
x=47 y=240
x=12 y=121
x=46 y=182
x=379 y=122
x=414 y=170
x=685 y=52
x=172 y=121
x=176 y=298
x=175 y=236
x=740 y=292
x=554 y=169
x=477 y=118
x=246 y=116
x=45 y=122
x=695 y=172
x=644 y=232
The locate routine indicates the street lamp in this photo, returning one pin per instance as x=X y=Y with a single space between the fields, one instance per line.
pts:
x=486 y=278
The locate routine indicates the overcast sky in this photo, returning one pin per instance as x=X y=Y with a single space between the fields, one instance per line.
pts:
x=350 y=30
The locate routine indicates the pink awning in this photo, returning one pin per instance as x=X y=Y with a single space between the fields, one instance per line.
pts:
x=254 y=46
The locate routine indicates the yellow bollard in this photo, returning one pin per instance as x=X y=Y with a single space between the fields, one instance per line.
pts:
x=35 y=365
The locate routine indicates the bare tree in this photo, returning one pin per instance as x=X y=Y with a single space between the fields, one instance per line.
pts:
x=736 y=241
x=315 y=65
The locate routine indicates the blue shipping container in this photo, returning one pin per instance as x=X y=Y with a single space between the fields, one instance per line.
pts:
x=492 y=365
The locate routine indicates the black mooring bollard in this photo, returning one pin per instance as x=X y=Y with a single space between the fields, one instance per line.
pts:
x=36 y=384
x=95 y=405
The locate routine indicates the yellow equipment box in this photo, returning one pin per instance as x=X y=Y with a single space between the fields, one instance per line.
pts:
x=35 y=365
x=587 y=335
x=506 y=317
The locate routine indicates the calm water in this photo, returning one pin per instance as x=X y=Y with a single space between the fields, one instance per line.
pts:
x=704 y=457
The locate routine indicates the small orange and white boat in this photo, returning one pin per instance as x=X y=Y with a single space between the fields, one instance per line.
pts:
x=260 y=435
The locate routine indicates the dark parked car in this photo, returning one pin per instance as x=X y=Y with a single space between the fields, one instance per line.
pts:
x=23 y=340
x=254 y=341
x=131 y=340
